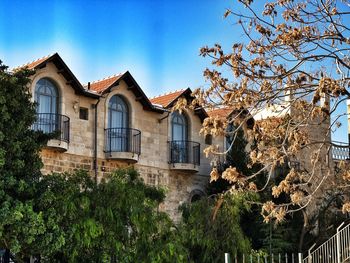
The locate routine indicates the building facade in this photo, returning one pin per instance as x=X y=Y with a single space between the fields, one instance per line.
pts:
x=111 y=123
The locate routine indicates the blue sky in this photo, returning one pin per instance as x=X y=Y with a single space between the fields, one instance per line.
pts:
x=158 y=41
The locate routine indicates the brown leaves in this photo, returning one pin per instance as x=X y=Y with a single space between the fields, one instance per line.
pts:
x=263 y=30
x=346 y=207
x=232 y=175
x=283 y=78
x=271 y=211
x=227 y=13
x=214 y=125
x=214 y=175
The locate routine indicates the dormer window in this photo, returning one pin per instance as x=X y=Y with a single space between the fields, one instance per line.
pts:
x=118 y=113
x=46 y=95
x=179 y=127
x=48 y=119
x=183 y=153
x=122 y=142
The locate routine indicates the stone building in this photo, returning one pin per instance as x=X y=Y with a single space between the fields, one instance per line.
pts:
x=111 y=123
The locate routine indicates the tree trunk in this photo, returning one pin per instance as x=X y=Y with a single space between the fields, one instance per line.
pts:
x=303 y=231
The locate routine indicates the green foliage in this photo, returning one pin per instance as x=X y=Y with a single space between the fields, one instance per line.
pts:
x=267 y=237
x=271 y=237
x=20 y=163
x=208 y=231
x=115 y=219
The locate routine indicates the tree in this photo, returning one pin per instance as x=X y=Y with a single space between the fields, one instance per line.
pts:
x=211 y=227
x=293 y=63
x=115 y=220
x=20 y=164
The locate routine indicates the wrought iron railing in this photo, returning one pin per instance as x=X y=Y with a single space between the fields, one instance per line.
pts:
x=123 y=140
x=340 y=151
x=53 y=123
x=184 y=152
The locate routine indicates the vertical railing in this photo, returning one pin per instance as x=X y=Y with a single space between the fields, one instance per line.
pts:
x=123 y=140
x=334 y=250
x=264 y=258
x=340 y=151
x=184 y=152
x=53 y=123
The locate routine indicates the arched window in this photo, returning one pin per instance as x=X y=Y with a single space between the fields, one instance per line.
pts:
x=117 y=113
x=118 y=134
x=179 y=145
x=178 y=127
x=46 y=95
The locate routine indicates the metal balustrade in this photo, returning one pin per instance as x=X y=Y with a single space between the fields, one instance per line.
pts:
x=334 y=250
x=123 y=140
x=340 y=151
x=53 y=123
x=184 y=152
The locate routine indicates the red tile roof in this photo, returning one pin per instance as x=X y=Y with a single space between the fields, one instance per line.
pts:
x=220 y=112
x=166 y=99
x=103 y=84
x=33 y=64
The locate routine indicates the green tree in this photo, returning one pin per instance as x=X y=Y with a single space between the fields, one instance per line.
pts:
x=20 y=163
x=211 y=227
x=116 y=219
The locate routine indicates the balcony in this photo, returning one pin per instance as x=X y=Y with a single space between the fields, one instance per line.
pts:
x=54 y=123
x=340 y=151
x=184 y=155
x=123 y=144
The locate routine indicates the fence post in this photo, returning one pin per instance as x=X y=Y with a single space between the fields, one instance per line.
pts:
x=309 y=256
x=300 y=258
x=338 y=243
x=227 y=258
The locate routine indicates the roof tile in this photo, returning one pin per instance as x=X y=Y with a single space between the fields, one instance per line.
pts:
x=33 y=64
x=166 y=99
x=103 y=84
x=220 y=112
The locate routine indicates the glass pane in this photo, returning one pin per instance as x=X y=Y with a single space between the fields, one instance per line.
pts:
x=118 y=123
x=178 y=132
x=44 y=104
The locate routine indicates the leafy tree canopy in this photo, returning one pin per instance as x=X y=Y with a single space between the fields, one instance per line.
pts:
x=20 y=163
x=211 y=227
x=115 y=220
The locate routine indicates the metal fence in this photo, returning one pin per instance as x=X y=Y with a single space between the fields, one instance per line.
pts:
x=264 y=258
x=334 y=250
